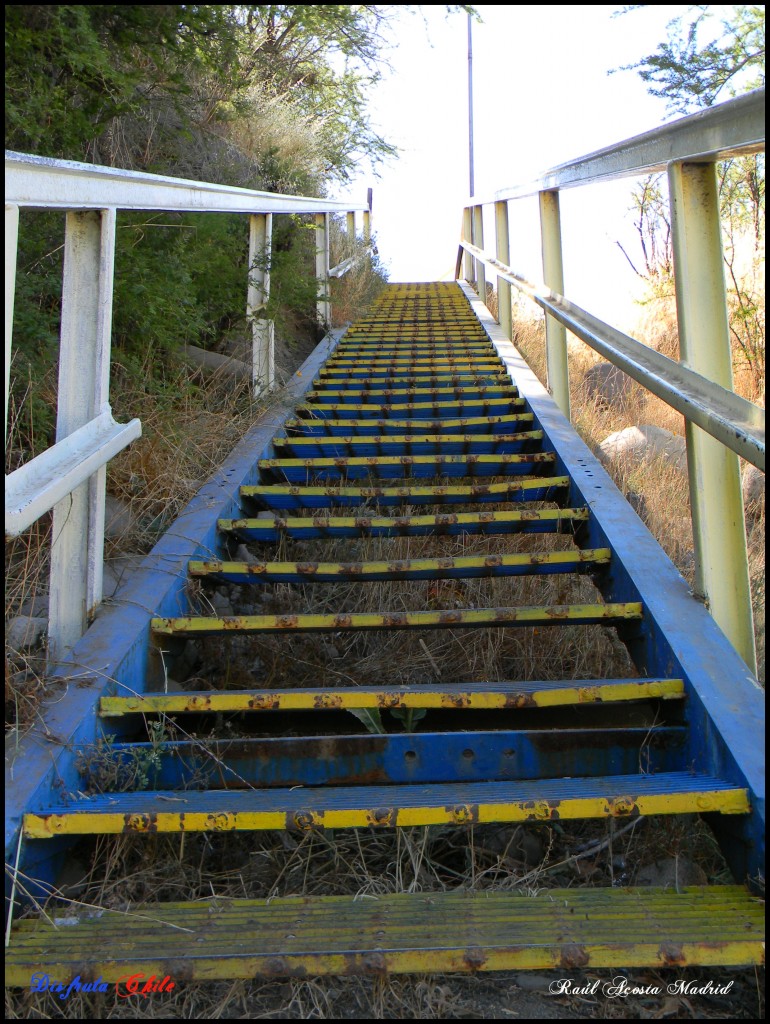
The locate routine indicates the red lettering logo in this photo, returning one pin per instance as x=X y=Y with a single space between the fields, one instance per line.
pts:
x=140 y=985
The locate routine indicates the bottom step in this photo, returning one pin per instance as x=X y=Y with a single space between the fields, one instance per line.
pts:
x=425 y=932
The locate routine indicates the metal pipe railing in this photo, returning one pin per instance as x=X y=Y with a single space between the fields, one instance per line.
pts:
x=720 y=426
x=70 y=477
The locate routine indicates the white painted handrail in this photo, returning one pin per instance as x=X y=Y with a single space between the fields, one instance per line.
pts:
x=38 y=485
x=70 y=477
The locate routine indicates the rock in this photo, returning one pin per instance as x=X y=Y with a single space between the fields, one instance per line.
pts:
x=25 y=632
x=671 y=873
x=118 y=519
x=607 y=384
x=221 y=604
x=645 y=443
x=35 y=606
x=242 y=554
x=754 y=490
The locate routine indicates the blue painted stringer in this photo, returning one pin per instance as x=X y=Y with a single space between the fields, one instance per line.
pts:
x=418 y=451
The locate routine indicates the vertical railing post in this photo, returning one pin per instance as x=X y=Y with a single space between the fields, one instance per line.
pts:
x=368 y=218
x=553 y=275
x=77 y=547
x=478 y=241
x=262 y=329
x=503 y=253
x=468 y=260
x=323 y=303
x=350 y=227
x=11 y=249
x=722 y=575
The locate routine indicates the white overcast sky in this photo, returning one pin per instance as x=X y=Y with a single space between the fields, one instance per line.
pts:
x=542 y=95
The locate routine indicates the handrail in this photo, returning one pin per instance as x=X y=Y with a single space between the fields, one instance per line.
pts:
x=39 y=182
x=736 y=422
x=734 y=128
x=70 y=476
x=719 y=424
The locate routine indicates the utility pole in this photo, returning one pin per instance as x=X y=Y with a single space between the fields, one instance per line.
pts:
x=470 y=104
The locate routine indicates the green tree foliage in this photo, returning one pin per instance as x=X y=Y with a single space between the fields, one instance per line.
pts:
x=272 y=97
x=688 y=73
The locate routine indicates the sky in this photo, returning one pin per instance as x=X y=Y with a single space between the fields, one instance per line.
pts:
x=542 y=95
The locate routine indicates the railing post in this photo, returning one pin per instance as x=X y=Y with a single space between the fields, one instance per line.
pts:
x=722 y=575
x=368 y=218
x=11 y=249
x=503 y=253
x=478 y=241
x=350 y=227
x=262 y=329
x=77 y=547
x=553 y=275
x=468 y=261
x=323 y=303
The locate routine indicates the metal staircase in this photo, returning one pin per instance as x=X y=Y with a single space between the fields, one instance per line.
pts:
x=425 y=431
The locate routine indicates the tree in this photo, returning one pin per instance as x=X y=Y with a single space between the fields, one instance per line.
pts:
x=691 y=74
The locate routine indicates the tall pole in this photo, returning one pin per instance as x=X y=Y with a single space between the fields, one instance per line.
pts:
x=470 y=104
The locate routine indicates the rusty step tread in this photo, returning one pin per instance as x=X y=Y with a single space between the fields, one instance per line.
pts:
x=394 y=933
x=460 y=568
x=473 y=696
x=395 y=467
x=450 y=407
x=372 y=428
x=406 y=444
x=450 y=618
x=562 y=520
x=458 y=803
x=279 y=496
x=409 y=388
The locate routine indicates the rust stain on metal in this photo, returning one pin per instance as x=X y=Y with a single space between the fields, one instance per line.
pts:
x=622 y=806
x=474 y=958
x=140 y=823
x=342 y=621
x=395 y=619
x=672 y=954
x=286 y=621
x=381 y=816
x=220 y=822
x=520 y=700
x=307 y=568
x=589 y=694
x=464 y=814
x=450 y=617
x=304 y=821
x=457 y=700
x=264 y=702
x=327 y=700
x=574 y=956
x=493 y=561
x=256 y=568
